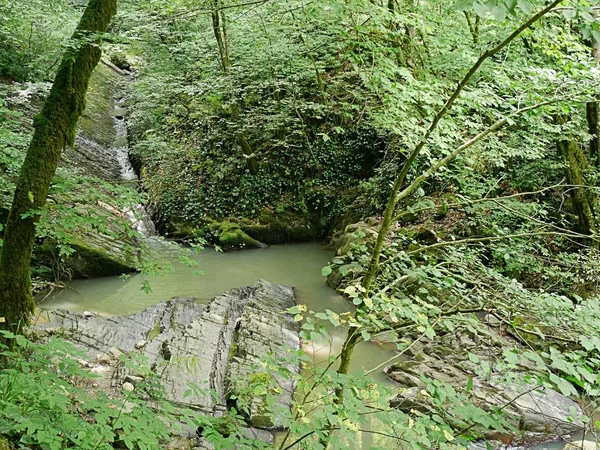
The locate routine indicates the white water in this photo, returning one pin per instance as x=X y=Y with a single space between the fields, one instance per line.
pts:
x=137 y=215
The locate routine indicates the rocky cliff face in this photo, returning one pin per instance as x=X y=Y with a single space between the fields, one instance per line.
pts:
x=97 y=252
x=205 y=348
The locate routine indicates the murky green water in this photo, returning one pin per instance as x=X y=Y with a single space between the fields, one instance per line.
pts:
x=297 y=265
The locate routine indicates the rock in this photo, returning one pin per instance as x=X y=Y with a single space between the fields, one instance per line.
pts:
x=546 y=410
x=282 y=227
x=530 y=408
x=128 y=387
x=103 y=358
x=582 y=445
x=115 y=352
x=134 y=380
x=190 y=344
x=140 y=344
x=231 y=236
x=180 y=444
x=88 y=314
x=354 y=234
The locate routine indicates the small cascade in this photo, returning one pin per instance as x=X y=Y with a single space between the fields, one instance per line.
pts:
x=137 y=215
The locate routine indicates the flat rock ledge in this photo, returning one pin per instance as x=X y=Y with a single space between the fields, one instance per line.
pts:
x=191 y=344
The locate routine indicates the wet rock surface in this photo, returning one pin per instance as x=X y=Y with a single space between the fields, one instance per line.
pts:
x=190 y=344
x=94 y=156
x=456 y=358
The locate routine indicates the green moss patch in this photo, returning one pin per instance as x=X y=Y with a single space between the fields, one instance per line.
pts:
x=230 y=236
x=97 y=121
x=281 y=228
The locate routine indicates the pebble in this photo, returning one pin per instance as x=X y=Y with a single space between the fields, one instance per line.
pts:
x=128 y=387
x=133 y=379
x=103 y=358
x=140 y=344
x=115 y=352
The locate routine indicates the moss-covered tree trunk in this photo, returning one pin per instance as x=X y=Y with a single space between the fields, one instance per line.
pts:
x=55 y=129
x=582 y=199
x=592 y=117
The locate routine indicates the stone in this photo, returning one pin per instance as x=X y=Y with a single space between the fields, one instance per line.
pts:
x=180 y=444
x=88 y=314
x=115 y=352
x=140 y=344
x=542 y=411
x=128 y=387
x=103 y=358
x=134 y=379
x=582 y=445
x=192 y=344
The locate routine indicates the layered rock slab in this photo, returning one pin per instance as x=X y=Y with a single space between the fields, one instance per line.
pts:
x=195 y=348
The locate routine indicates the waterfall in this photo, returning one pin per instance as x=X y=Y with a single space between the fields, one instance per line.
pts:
x=137 y=215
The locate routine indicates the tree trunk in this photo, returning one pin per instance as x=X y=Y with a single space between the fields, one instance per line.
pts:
x=591 y=109
x=592 y=117
x=221 y=37
x=581 y=198
x=54 y=129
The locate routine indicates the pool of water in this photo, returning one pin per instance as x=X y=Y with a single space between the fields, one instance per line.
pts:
x=297 y=265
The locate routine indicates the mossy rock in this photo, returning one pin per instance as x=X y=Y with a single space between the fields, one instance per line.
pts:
x=185 y=231
x=354 y=234
x=230 y=236
x=281 y=228
x=86 y=262
x=97 y=121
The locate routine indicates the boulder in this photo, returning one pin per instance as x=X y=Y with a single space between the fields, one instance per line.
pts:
x=197 y=349
x=230 y=236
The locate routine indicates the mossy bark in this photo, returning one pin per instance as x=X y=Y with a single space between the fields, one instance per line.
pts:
x=592 y=116
x=583 y=200
x=55 y=129
x=592 y=120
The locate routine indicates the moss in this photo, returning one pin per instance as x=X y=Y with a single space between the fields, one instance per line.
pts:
x=234 y=237
x=259 y=421
x=85 y=262
x=229 y=235
x=155 y=331
x=281 y=228
x=185 y=231
x=88 y=262
x=98 y=121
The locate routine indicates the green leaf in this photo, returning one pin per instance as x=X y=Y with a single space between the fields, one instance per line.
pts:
x=569 y=13
x=325 y=271
x=499 y=12
x=525 y=6
x=469 y=384
x=480 y=9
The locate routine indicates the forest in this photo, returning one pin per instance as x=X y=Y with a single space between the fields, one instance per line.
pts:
x=299 y=224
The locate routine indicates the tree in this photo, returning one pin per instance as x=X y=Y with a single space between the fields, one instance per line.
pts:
x=55 y=129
